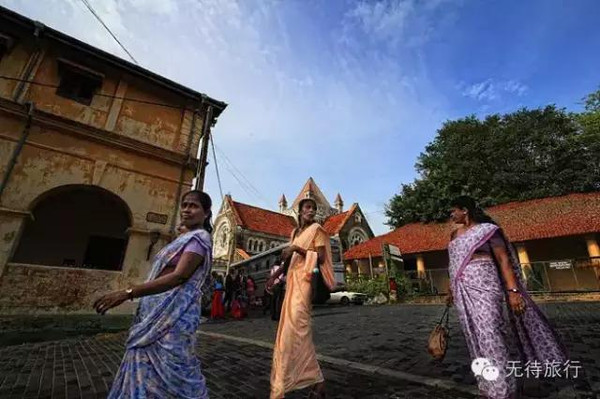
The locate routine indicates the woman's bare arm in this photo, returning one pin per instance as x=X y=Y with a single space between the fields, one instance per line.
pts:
x=187 y=265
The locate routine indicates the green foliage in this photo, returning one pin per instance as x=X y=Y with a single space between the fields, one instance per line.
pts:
x=368 y=286
x=522 y=155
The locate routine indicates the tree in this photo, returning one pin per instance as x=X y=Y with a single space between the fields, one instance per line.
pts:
x=589 y=121
x=518 y=156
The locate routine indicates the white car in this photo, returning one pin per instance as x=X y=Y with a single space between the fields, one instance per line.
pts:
x=346 y=297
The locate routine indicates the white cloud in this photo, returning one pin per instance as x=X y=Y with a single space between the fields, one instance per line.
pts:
x=513 y=86
x=337 y=111
x=491 y=90
x=399 y=22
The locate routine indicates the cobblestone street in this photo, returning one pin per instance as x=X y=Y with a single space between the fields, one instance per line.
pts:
x=84 y=368
x=395 y=337
x=366 y=352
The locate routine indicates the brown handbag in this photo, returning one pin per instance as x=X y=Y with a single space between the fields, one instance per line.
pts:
x=438 y=339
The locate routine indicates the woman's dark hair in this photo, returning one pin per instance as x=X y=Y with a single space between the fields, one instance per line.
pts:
x=206 y=203
x=475 y=211
x=301 y=204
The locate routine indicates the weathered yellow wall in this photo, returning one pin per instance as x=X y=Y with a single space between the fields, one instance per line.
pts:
x=164 y=127
x=54 y=157
x=45 y=98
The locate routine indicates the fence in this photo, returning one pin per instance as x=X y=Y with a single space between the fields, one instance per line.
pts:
x=570 y=275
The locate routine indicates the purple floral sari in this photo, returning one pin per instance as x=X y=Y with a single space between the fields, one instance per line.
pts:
x=160 y=359
x=479 y=293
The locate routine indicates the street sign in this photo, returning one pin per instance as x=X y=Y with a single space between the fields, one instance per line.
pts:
x=561 y=265
x=395 y=254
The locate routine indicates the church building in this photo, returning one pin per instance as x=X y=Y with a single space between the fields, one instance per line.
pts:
x=243 y=230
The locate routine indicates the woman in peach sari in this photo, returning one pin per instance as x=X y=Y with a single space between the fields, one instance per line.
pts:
x=295 y=363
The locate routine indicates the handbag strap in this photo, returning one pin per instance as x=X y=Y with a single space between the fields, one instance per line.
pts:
x=445 y=316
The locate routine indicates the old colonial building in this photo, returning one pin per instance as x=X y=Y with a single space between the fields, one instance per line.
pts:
x=95 y=153
x=556 y=240
x=242 y=231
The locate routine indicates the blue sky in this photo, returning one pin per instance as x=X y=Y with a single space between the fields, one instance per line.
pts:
x=348 y=92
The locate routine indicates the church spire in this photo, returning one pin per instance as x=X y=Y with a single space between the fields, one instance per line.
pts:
x=283 y=203
x=339 y=203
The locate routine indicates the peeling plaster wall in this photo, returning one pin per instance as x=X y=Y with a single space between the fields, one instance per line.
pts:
x=42 y=168
x=53 y=157
x=46 y=99
x=164 y=127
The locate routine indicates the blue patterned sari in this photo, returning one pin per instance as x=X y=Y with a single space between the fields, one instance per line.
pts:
x=160 y=359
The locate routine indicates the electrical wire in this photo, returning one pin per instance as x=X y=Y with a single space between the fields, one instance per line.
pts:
x=248 y=183
x=98 y=94
x=91 y=9
x=212 y=142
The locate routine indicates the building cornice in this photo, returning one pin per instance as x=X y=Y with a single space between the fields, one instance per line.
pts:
x=69 y=126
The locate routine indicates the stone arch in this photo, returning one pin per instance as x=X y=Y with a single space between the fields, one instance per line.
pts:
x=76 y=226
x=356 y=236
x=222 y=237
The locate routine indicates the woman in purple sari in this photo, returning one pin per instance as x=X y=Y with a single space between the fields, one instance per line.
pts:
x=160 y=359
x=485 y=274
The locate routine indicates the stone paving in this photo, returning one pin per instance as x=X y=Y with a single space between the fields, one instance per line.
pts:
x=391 y=338
x=85 y=368
x=395 y=337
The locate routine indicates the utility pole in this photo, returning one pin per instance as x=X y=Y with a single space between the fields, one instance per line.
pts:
x=201 y=172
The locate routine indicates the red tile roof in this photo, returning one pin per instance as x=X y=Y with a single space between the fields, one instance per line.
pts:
x=572 y=214
x=335 y=223
x=263 y=220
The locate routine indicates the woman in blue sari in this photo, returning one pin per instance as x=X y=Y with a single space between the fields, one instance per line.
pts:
x=160 y=359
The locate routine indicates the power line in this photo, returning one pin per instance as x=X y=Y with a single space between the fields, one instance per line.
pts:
x=244 y=185
x=248 y=183
x=216 y=166
x=32 y=82
x=241 y=183
x=91 y=9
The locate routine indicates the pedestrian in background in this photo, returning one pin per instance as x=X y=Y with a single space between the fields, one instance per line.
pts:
x=277 y=291
x=228 y=292
x=217 y=308
x=250 y=290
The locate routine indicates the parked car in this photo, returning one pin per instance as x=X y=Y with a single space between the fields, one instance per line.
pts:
x=346 y=298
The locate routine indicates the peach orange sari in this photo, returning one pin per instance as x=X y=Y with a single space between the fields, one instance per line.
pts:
x=295 y=363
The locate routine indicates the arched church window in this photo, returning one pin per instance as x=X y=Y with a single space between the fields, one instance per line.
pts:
x=223 y=236
x=356 y=239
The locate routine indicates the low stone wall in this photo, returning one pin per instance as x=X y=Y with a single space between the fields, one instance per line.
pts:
x=32 y=289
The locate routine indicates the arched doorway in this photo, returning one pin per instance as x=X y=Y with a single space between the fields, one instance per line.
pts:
x=76 y=226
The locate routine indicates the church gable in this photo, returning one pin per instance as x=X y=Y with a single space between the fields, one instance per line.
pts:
x=311 y=190
x=335 y=223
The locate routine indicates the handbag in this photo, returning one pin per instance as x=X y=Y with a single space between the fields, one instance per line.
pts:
x=320 y=291
x=438 y=338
